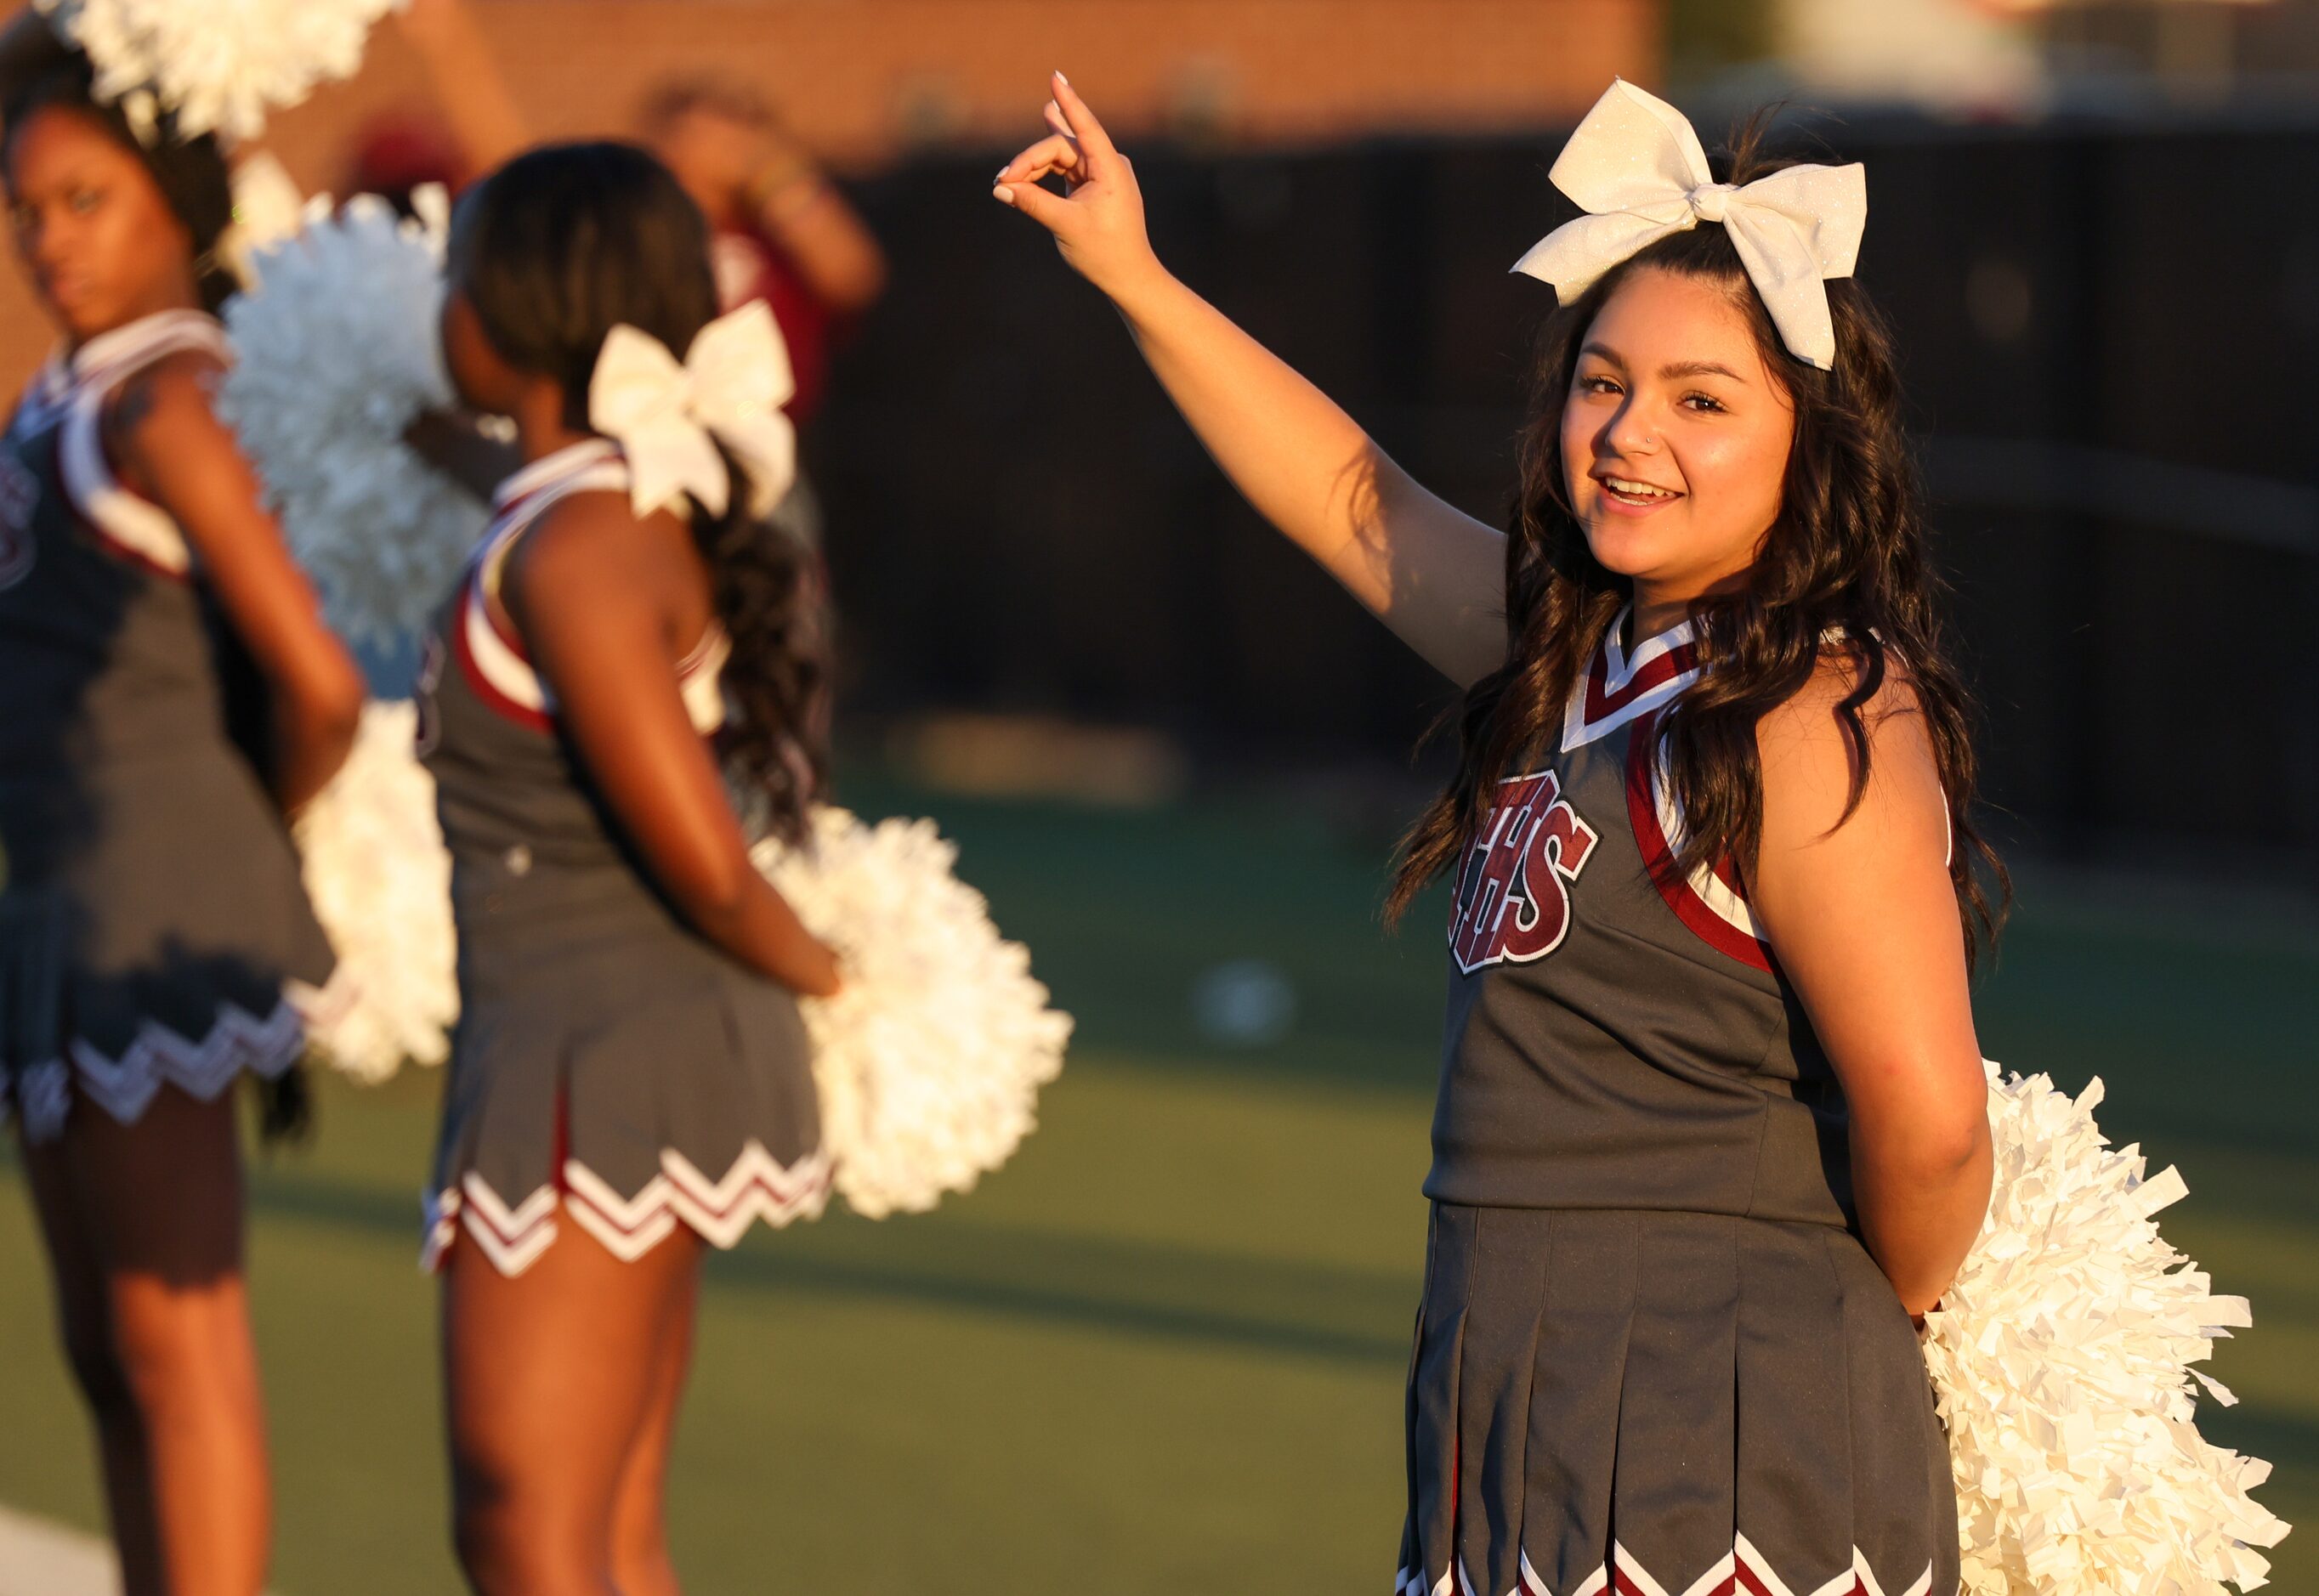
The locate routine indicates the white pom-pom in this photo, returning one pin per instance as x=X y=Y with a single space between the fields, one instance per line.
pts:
x=2062 y=1359
x=219 y=65
x=380 y=879
x=336 y=352
x=930 y=1060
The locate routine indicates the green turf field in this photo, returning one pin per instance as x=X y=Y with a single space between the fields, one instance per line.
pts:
x=1163 y=1349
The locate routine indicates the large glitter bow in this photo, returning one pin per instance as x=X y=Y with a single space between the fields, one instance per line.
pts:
x=1636 y=168
x=668 y=418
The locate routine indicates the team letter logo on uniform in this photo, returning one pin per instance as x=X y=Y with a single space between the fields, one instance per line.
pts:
x=1513 y=895
x=19 y=497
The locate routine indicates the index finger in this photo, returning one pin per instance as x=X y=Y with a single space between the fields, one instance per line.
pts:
x=1094 y=142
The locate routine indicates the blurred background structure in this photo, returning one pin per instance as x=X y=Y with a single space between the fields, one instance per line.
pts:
x=1165 y=1346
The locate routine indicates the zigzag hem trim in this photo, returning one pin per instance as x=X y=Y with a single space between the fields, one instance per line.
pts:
x=1742 y=1571
x=512 y=1236
x=202 y=1068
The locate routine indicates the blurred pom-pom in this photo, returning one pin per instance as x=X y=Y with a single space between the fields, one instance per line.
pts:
x=380 y=879
x=930 y=1060
x=219 y=65
x=336 y=354
x=2061 y=1358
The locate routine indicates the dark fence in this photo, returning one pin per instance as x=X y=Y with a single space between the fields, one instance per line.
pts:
x=2112 y=343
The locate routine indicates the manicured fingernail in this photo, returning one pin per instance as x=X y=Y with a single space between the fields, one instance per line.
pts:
x=1003 y=194
x=1063 y=80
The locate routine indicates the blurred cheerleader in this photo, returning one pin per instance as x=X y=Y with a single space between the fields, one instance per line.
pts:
x=168 y=691
x=630 y=1077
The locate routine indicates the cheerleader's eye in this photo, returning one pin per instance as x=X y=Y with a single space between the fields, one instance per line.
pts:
x=1706 y=402
x=1598 y=384
x=82 y=201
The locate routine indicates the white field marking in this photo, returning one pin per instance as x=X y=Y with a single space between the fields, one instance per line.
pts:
x=40 y=1558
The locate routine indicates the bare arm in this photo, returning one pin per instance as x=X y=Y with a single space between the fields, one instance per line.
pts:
x=739 y=163
x=167 y=442
x=1864 y=920
x=1434 y=574
x=586 y=593
x=466 y=79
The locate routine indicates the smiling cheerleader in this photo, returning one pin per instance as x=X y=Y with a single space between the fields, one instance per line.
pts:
x=1712 y=1125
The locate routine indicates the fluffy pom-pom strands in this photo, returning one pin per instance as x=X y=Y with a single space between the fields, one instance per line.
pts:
x=380 y=879
x=928 y=1064
x=219 y=65
x=2062 y=1360
x=336 y=354
x=930 y=1060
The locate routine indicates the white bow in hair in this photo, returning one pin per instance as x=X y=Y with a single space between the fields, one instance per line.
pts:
x=1636 y=168
x=731 y=387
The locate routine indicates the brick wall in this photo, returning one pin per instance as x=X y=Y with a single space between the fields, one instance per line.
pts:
x=867 y=82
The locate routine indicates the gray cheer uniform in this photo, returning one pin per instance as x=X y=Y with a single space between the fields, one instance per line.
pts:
x=609 y=1063
x=153 y=928
x=1653 y=1356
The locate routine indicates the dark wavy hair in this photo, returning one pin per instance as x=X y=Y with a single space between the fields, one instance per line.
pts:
x=554 y=250
x=192 y=174
x=1842 y=571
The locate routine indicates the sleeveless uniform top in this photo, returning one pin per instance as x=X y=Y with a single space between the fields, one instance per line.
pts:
x=1651 y=1357
x=152 y=923
x=505 y=781
x=1617 y=1039
x=610 y=1062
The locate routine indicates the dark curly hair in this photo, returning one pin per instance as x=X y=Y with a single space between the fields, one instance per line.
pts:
x=1842 y=569
x=554 y=250
x=192 y=174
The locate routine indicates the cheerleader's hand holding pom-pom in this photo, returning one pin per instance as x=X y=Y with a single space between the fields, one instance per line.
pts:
x=379 y=881
x=2061 y=1358
x=929 y=1057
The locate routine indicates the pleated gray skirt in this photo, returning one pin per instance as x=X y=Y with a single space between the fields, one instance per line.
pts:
x=613 y=1069
x=1618 y=1404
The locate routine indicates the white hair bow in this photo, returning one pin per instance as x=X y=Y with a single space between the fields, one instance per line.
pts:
x=1636 y=168
x=664 y=416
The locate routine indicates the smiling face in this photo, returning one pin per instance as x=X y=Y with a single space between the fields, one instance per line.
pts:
x=92 y=227
x=1676 y=436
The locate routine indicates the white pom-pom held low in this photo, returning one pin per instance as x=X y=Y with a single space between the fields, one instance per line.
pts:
x=379 y=881
x=930 y=1060
x=2061 y=1356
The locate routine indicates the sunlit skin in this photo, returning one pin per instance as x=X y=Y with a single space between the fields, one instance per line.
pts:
x=143 y=1222
x=553 y=1491
x=98 y=239
x=1674 y=442
x=1675 y=399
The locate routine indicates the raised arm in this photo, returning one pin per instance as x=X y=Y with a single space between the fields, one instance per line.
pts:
x=166 y=443
x=1433 y=574
x=468 y=84
x=584 y=589
x=735 y=156
x=1864 y=920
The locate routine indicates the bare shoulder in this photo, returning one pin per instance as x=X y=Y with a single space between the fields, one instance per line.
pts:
x=590 y=554
x=1812 y=760
x=585 y=542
